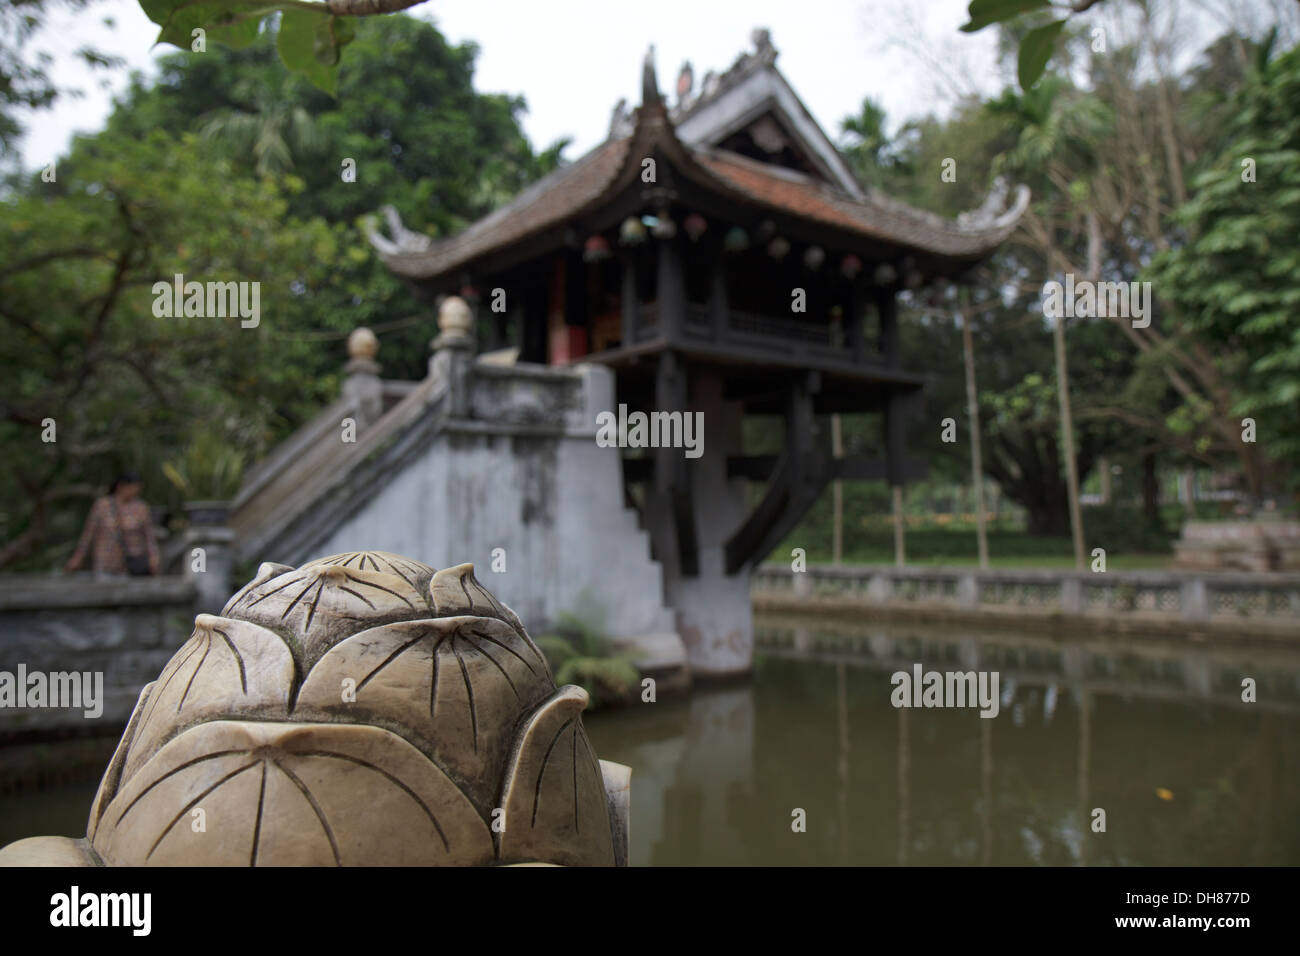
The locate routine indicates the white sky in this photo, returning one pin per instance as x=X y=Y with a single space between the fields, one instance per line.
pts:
x=573 y=59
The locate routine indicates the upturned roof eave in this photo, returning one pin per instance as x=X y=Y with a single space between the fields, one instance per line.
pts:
x=958 y=248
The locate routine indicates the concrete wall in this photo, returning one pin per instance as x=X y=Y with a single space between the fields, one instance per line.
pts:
x=127 y=629
x=522 y=472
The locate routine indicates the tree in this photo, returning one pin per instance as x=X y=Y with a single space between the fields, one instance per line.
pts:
x=25 y=82
x=310 y=37
x=407 y=128
x=1234 y=277
x=98 y=379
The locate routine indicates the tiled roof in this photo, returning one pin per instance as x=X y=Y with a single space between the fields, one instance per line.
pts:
x=603 y=171
x=547 y=202
x=875 y=217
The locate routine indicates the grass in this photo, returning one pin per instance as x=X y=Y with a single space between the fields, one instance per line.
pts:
x=955 y=545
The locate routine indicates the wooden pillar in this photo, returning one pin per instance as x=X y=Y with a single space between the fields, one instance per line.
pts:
x=718 y=305
x=670 y=290
x=671 y=478
x=631 y=302
x=837 y=493
x=887 y=309
x=973 y=416
x=1067 y=443
x=854 y=340
x=900 y=550
x=533 y=325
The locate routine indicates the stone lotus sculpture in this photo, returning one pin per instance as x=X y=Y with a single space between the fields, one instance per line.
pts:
x=363 y=709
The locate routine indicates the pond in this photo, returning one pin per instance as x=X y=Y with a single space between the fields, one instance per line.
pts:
x=1154 y=733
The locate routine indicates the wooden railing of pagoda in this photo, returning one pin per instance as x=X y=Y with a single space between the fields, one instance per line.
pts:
x=748 y=328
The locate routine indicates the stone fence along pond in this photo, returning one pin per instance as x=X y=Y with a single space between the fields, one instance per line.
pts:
x=1223 y=603
x=125 y=629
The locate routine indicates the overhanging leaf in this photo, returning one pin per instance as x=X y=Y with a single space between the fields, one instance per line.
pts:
x=1035 y=51
x=984 y=12
x=297 y=43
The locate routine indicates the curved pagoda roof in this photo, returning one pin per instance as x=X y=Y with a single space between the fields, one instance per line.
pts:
x=824 y=194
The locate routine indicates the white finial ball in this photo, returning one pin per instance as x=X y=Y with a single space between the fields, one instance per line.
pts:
x=454 y=317
x=362 y=344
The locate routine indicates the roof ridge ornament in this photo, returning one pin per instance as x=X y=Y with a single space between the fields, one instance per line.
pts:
x=620 y=120
x=403 y=241
x=995 y=212
x=649 y=82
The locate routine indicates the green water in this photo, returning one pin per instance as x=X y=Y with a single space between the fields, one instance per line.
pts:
x=1154 y=733
x=1185 y=772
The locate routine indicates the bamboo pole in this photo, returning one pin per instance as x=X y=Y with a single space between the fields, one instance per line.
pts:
x=972 y=414
x=837 y=494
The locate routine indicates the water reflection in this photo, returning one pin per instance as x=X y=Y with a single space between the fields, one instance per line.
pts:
x=1153 y=733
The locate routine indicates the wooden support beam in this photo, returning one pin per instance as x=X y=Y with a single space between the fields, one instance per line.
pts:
x=630 y=301
x=887 y=309
x=672 y=480
x=718 y=294
x=670 y=288
x=799 y=478
x=854 y=340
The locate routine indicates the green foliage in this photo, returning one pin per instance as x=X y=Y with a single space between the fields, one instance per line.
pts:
x=153 y=196
x=210 y=467
x=580 y=653
x=1234 y=279
x=84 y=347
x=1124 y=529
x=25 y=81
x=558 y=651
x=609 y=680
x=1035 y=51
x=1036 y=46
x=308 y=37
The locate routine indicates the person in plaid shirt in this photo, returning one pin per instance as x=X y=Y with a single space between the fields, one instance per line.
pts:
x=118 y=519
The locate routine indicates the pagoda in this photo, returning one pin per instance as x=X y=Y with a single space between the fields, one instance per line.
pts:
x=720 y=257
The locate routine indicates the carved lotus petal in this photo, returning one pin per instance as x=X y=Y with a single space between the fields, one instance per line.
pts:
x=557 y=808
x=457 y=687
x=108 y=784
x=416 y=573
x=291 y=794
x=227 y=668
x=320 y=604
x=455 y=591
x=362 y=709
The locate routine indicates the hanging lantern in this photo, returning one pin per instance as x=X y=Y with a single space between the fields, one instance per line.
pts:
x=694 y=224
x=735 y=240
x=632 y=232
x=778 y=247
x=596 y=249
x=850 y=265
x=664 y=227
x=814 y=257
x=885 y=274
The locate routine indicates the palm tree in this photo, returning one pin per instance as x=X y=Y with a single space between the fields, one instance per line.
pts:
x=274 y=133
